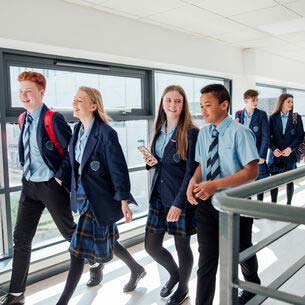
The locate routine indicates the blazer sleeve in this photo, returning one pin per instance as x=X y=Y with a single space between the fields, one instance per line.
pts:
x=181 y=199
x=298 y=139
x=63 y=134
x=272 y=144
x=117 y=166
x=265 y=138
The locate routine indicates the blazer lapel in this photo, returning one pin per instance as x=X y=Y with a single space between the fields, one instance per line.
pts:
x=171 y=144
x=92 y=140
x=40 y=128
x=253 y=119
x=289 y=123
x=73 y=143
x=279 y=123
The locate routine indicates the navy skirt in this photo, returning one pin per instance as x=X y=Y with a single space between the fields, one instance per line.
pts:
x=156 y=219
x=89 y=240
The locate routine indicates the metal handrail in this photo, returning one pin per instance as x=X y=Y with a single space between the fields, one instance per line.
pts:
x=235 y=202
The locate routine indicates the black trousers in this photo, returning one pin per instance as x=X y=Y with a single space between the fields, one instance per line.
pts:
x=35 y=197
x=208 y=242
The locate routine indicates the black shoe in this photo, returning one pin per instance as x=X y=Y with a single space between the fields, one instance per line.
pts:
x=245 y=296
x=10 y=299
x=175 y=300
x=134 y=280
x=166 y=290
x=96 y=275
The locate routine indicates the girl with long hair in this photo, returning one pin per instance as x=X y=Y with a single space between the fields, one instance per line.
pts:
x=100 y=191
x=173 y=153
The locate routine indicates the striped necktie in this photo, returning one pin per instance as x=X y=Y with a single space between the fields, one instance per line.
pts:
x=27 y=157
x=213 y=166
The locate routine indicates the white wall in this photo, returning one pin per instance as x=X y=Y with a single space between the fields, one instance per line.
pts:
x=56 y=27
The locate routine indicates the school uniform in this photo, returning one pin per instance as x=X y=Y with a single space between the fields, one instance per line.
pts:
x=100 y=180
x=169 y=184
x=258 y=123
x=236 y=149
x=284 y=132
x=41 y=190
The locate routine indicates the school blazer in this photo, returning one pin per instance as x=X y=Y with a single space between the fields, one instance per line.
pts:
x=292 y=138
x=174 y=173
x=58 y=164
x=259 y=126
x=104 y=173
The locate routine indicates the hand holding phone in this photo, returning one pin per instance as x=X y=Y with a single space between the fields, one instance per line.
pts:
x=148 y=157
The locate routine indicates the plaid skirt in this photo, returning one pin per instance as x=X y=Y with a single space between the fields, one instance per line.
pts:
x=156 y=219
x=89 y=240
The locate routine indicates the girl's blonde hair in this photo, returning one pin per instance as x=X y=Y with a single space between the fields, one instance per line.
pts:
x=96 y=98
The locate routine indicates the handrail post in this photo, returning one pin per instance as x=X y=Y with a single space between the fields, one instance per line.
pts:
x=229 y=257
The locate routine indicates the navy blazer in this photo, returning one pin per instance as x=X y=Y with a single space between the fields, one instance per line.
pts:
x=259 y=126
x=174 y=173
x=292 y=138
x=58 y=164
x=104 y=173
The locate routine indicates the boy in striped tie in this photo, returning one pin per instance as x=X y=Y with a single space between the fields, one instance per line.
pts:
x=227 y=157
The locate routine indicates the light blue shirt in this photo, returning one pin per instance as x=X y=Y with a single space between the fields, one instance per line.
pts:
x=247 y=118
x=284 y=118
x=81 y=143
x=162 y=140
x=40 y=172
x=236 y=147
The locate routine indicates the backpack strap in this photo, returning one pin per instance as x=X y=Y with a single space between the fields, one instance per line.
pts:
x=49 y=127
x=21 y=119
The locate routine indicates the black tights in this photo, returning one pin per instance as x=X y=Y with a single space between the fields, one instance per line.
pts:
x=181 y=274
x=77 y=267
x=289 y=192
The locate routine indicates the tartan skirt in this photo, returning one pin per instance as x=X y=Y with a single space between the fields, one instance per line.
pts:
x=89 y=240
x=156 y=219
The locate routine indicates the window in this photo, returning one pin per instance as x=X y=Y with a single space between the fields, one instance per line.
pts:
x=127 y=99
x=268 y=97
x=122 y=88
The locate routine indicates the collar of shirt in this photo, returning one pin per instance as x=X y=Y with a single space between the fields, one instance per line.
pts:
x=36 y=113
x=221 y=128
x=84 y=135
x=284 y=115
x=163 y=130
x=250 y=115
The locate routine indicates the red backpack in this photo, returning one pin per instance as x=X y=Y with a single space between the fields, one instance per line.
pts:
x=48 y=125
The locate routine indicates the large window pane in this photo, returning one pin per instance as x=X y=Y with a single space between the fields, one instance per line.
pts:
x=119 y=93
x=140 y=190
x=191 y=84
x=47 y=232
x=2 y=221
x=1 y=163
x=131 y=135
x=268 y=97
x=15 y=170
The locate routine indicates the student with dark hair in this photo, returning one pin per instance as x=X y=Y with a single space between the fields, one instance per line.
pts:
x=286 y=135
x=257 y=121
x=100 y=190
x=173 y=152
x=227 y=157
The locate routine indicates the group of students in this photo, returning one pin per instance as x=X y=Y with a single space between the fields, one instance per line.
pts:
x=279 y=140
x=91 y=177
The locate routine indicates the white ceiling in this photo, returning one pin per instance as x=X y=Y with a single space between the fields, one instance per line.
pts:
x=276 y=26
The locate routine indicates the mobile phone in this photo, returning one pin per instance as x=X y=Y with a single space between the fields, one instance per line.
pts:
x=145 y=151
